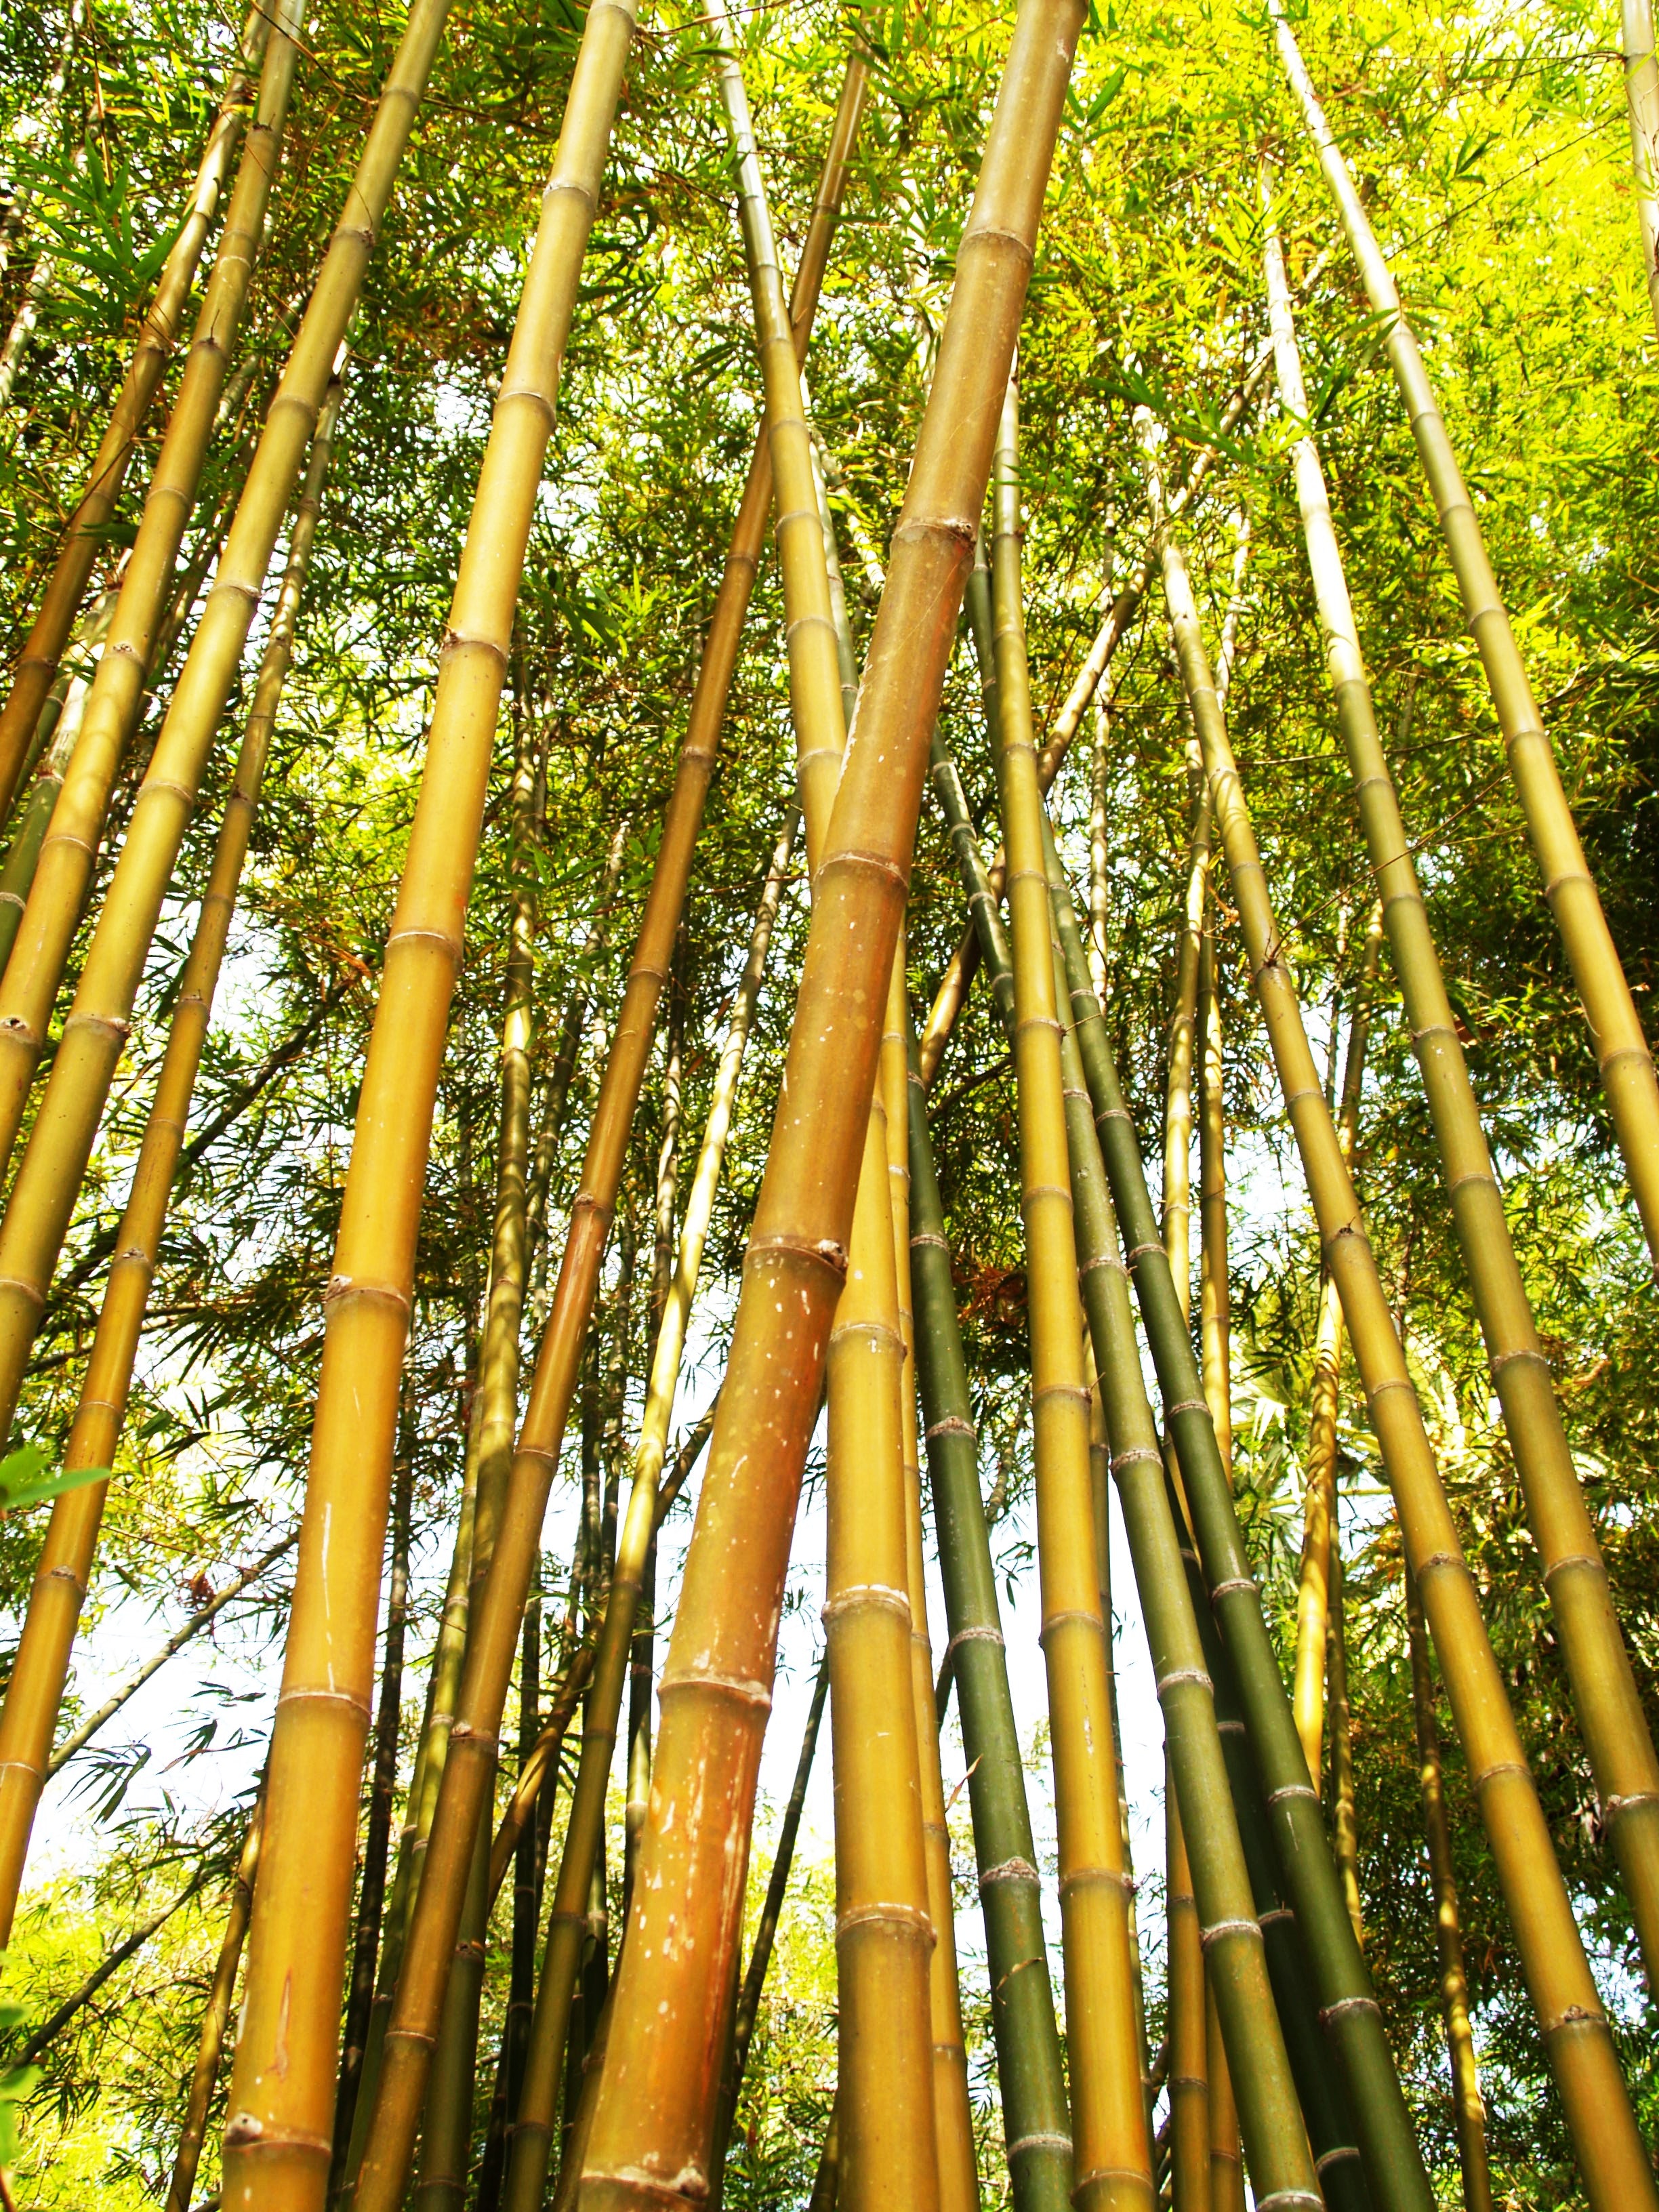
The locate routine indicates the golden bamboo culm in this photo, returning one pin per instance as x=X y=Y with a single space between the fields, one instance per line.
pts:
x=34 y=1694
x=278 y=2133
x=1621 y=1049
x=1612 y=2156
x=1111 y=2154
x=1609 y=1706
x=216 y=2019
x=94 y=1030
x=88 y=525
x=654 y=2121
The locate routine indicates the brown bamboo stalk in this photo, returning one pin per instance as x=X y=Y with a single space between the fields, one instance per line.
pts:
x=1312 y=1599
x=36 y=1689
x=653 y=2123
x=1611 y=2153
x=216 y=2019
x=85 y=535
x=1621 y=1049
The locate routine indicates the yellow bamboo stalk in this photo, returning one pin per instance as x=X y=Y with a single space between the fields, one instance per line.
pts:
x=1621 y=1049
x=216 y=2019
x=29 y=1716
x=1112 y=2156
x=1642 y=97
x=1611 y=2153
x=1345 y=1824
x=94 y=1031
x=1319 y=1501
x=276 y=2142
x=1610 y=1710
x=88 y=526
x=654 y=2125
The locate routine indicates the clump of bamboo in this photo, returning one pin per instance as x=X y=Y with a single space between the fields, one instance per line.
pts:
x=36 y=1688
x=88 y=525
x=1621 y=1049
x=654 y=2121
x=1610 y=1710
x=283 y=2090
x=1580 y=2048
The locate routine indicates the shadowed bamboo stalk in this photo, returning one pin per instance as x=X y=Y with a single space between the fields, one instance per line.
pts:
x=532 y=2134
x=1312 y=1600
x=277 y=2142
x=1344 y=1828
x=58 y=895
x=1469 y=2110
x=1621 y=1050
x=87 y=526
x=1642 y=97
x=1575 y=1576
x=36 y=1688
x=1611 y=2153
x=94 y=1031
x=653 y=2123
x=216 y=2019
x=1112 y=2157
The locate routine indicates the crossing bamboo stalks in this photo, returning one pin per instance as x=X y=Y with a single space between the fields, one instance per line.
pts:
x=276 y=2142
x=1642 y=97
x=88 y=526
x=96 y=1029
x=1469 y=2110
x=1037 y=2120
x=1611 y=2153
x=35 y=1690
x=1609 y=1708
x=1112 y=2157
x=1319 y=1500
x=654 y=2121
x=1621 y=1049
x=58 y=895
x=532 y=2129
x=216 y=2019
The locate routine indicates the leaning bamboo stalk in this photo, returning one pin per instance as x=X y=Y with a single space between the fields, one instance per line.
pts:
x=1641 y=98
x=1621 y=1050
x=1112 y=2156
x=1574 y=2029
x=1319 y=1499
x=276 y=2140
x=489 y=1661
x=1609 y=1708
x=94 y=1031
x=531 y=2133
x=36 y=1688
x=58 y=895
x=654 y=2118
x=89 y=523
x=1468 y=2109
x=216 y=2019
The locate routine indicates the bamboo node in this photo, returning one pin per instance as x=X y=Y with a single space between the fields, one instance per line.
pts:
x=1274 y=1912
x=31 y=1293
x=343 y=1286
x=1576 y=2016
x=1136 y=1455
x=1527 y=1352
x=824 y=1250
x=977 y=1633
x=742 y=1690
x=1336 y=2157
x=953 y=1424
x=1287 y=2197
x=1235 y=1582
x=1021 y=2144
x=1077 y=1618
x=1334 y=2015
x=1613 y=1807
x=1219 y=1930
x=1290 y=1790
x=1588 y=1562
x=1075 y=1390
x=1093 y=1877
x=1140 y=1251
x=1187 y=1405
x=1178 y=1675
x=877 y=1912
x=931 y=1239
x=1426 y=1566
x=1009 y=1870
x=858 y=1594
x=1103 y=1260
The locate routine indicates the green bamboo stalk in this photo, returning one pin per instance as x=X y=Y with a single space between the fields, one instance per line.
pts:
x=1576 y=2034
x=1610 y=1711
x=1188 y=2077
x=1621 y=1050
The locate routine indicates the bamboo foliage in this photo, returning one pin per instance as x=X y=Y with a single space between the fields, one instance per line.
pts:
x=1574 y=2029
x=35 y=1690
x=66 y=587
x=1604 y=1690
x=1621 y=1049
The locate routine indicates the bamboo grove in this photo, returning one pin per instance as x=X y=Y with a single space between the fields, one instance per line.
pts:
x=829 y=1166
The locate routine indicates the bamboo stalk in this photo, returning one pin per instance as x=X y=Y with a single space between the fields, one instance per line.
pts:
x=1621 y=1050
x=1642 y=97
x=1609 y=1708
x=1575 y=2028
x=1344 y=1829
x=85 y=533
x=1313 y=1598
x=216 y=2019
x=35 y=1690
x=653 y=2122
x=1469 y=2111
x=1189 y=2082
x=1112 y=2157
